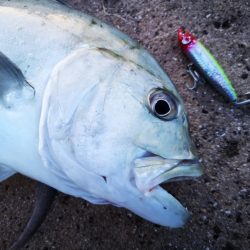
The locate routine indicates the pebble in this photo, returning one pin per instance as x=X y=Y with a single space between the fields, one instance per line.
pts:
x=204 y=218
x=215 y=204
x=203 y=210
x=228 y=212
x=129 y=215
x=243 y=190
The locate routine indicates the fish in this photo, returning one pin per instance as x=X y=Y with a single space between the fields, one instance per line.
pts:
x=87 y=111
x=204 y=66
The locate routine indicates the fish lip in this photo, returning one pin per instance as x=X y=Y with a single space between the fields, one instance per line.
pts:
x=152 y=170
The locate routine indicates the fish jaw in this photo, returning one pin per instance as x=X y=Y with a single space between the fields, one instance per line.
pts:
x=156 y=206
x=149 y=173
x=167 y=211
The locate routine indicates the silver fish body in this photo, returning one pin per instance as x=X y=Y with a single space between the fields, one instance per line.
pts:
x=86 y=126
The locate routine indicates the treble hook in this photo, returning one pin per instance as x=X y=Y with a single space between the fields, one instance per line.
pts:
x=198 y=80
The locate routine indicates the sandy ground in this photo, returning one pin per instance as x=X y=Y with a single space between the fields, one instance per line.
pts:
x=219 y=202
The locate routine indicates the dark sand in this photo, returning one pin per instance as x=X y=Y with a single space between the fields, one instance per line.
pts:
x=219 y=201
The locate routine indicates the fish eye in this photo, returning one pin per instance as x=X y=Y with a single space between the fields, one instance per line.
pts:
x=162 y=104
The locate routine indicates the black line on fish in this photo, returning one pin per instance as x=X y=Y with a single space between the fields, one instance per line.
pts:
x=93 y=22
x=104 y=178
x=64 y=2
x=117 y=56
x=135 y=46
x=111 y=53
x=11 y=77
x=44 y=199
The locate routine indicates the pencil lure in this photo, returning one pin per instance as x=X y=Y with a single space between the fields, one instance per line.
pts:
x=204 y=65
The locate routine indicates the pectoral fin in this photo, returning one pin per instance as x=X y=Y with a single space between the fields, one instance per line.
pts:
x=44 y=198
x=13 y=85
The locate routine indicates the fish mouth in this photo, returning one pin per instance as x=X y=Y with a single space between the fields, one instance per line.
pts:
x=150 y=171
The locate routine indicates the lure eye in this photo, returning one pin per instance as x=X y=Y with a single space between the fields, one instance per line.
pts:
x=186 y=40
x=162 y=104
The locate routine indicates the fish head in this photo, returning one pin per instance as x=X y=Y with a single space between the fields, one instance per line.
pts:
x=153 y=147
x=127 y=134
x=185 y=38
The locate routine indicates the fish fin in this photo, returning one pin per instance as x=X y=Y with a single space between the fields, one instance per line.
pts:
x=44 y=199
x=13 y=84
x=5 y=172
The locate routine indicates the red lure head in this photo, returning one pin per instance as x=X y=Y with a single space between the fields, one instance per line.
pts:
x=185 y=38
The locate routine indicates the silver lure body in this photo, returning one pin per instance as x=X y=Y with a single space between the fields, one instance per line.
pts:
x=81 y=131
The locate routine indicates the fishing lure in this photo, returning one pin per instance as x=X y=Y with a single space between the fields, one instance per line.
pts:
x=204 y=65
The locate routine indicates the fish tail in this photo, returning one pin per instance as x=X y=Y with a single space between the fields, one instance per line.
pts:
x=44 y=198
